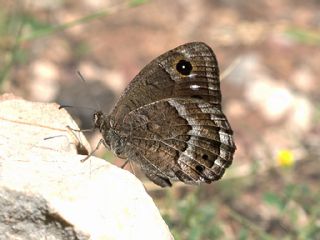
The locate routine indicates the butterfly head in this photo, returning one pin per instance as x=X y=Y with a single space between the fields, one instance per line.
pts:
x=112 y=140
x=101 y=121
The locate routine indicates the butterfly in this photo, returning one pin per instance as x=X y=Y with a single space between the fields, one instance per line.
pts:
x=169 y=119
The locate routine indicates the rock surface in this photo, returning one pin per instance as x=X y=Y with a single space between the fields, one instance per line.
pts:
x=47 y=193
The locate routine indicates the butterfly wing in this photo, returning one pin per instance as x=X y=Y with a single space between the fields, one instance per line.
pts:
x=180 y=139
x=168 y=76
x=171 y=118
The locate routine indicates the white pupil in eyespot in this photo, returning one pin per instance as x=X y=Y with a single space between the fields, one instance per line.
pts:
x=194 y=87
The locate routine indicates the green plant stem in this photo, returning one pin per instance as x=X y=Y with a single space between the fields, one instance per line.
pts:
x=64 y=26
x=14 y=49
x=304 y=35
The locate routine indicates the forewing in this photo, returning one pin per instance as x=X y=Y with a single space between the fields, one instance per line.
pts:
x=161 y=79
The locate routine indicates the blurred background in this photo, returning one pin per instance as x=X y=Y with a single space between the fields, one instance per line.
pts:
x=269 y=55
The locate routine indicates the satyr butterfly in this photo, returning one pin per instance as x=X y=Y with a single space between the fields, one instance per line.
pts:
x=169 y=119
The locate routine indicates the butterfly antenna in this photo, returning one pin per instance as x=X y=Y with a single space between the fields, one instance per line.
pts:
x=90 y=93
x=71 y=106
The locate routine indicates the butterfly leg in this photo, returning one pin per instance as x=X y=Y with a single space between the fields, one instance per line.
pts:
x=125 y=163
x=97 y=147
x=159 y=180
x=79 y=130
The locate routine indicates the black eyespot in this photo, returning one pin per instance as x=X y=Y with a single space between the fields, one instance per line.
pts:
x=184 y=67
x=205 y=156
x=200 y=168
x=209 y=161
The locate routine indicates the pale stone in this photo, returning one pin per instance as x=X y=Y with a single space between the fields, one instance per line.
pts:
x=44 y=69
x=60 y=197
x=272 y=99
x=304 y=79
x=301 y=115
x=43 y=85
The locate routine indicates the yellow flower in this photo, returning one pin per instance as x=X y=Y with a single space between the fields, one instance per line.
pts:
x=285 y=158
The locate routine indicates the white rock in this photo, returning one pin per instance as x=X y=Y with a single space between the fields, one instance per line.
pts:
x=271 y=98
x=44 y=85
x=276 y=102
x=93 y=200
x=301 y=115
x=304 y=79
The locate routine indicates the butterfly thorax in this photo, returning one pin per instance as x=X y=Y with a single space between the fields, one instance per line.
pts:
x=112 y=139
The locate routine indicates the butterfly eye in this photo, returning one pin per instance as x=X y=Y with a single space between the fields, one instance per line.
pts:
x=184 y=67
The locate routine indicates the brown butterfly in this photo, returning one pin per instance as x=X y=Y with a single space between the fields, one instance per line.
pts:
x=169 y=119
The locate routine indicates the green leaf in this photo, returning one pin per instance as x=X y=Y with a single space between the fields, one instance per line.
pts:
x=273 y=200
x=243 y=235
